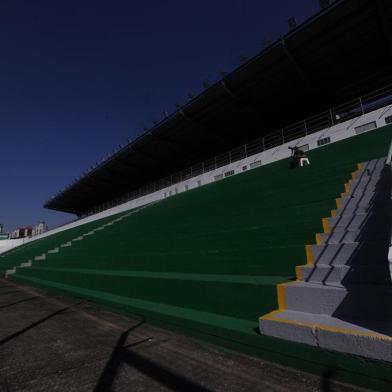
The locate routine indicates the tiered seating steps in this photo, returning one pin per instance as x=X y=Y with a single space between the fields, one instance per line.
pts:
x=342 y=299
x=207 y=261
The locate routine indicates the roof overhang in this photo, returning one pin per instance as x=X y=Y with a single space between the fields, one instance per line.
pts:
x=341 y=53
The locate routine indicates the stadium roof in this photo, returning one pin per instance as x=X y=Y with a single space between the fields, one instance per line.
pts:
x=342 y=52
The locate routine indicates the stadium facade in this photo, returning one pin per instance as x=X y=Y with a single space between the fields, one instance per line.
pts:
x=338 y=56
x=199 y=225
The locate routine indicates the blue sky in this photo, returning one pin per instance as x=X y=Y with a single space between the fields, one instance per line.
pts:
x=77 y=78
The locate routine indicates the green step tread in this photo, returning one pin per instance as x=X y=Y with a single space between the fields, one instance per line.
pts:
x=253 y=280
x=240 y=335
x=221 y=321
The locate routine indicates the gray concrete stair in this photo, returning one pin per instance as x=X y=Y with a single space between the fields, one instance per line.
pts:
x=353 y=236
x=342 y=299
x=371 y=302
x=357 y=221
x=359 y=253
x=371 y=339
x=335 y=274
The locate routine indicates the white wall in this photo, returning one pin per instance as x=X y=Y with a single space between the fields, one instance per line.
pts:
x=338 y=132
x=9 y=244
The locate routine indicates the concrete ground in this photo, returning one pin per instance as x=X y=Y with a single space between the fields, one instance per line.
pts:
x=52 y=343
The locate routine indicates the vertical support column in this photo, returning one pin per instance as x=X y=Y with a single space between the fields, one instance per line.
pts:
x=361 y=103
x=331 y=114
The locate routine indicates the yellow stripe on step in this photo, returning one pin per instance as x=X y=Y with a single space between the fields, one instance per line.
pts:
x=347 y=331
x=309 y=256
x=326 y=227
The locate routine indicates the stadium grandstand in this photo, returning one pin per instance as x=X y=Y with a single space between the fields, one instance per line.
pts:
x=199 y=225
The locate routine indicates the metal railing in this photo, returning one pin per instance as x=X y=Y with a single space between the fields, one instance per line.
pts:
x=329 y=118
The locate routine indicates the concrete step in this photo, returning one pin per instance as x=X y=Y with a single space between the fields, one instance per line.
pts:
x=354 y=253
x=376 y=185
x=349 y=236
x=40 y=258
x=9 y=272
x=366 y=181
x=371 y=302
x=365 y=338
x=360 y=220
x=26 y=264
x=349 y=210
x=353 y=209
x=65 y=245
x=80 y=238
x=89 y=233
x=54 y=250
x=372 y=184
x=99 y=228
x=367 y=176
x=345 y=274
x=365 y=199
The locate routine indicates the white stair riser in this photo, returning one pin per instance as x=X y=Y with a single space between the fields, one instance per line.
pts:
x=349 y=343
x=370 y=302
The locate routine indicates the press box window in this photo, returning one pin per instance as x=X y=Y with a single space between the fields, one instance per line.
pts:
x=388 y=120
x=255 y=164
x=323 y=141
x=365 y=128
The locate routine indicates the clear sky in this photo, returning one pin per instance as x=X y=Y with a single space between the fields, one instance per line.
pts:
x=77 y=78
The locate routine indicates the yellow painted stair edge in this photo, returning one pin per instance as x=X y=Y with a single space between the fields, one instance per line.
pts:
x=280 y=288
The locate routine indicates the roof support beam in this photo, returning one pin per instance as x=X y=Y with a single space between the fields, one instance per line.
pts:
x=200 y=125
x=112 y=180
x=149 y=156
x=120 y=163
x=175 y=146
x=301 y=73
x=243 y=107
x=384 y=23
x=139 y=170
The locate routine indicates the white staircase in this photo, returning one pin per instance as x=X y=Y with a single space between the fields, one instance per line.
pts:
x=342 y=299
